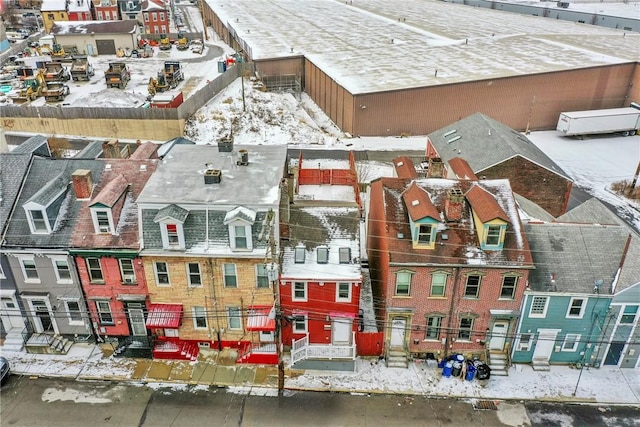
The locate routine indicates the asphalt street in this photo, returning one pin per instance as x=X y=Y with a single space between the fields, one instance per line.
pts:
x=28 y=401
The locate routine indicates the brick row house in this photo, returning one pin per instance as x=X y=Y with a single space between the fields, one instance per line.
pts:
x=155 y=17
x=449 y=262
x=79 y=10
x=207 y=215
x=105 y=10
x=321 y=277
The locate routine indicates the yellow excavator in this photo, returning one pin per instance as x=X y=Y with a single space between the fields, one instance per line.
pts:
x=31 y=90
x=165 y=43
x=183 y=42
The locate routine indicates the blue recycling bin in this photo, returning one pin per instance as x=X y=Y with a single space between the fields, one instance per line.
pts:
x=471 y=372
x=448 y=367
x=441 y=363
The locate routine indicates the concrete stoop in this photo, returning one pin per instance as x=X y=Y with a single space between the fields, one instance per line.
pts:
x=540 y=365
x=498 y=364
x=397 y=359
x=13 y=342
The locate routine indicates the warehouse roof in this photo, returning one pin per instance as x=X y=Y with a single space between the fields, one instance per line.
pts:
x=379 y=45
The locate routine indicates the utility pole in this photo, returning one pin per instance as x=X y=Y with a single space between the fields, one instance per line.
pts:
x=635 y=177
x=272 y=274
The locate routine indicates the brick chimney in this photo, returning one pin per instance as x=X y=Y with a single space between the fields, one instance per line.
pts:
x=454 y=204
x=436 y=168
x=82 y=183
x=111 y=149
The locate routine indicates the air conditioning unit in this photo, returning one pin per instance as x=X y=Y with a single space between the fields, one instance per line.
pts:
x=129 y=278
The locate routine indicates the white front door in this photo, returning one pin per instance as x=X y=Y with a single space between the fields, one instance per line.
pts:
x=341 y=331
x=498 y=335
x=136 y=320
x=397 y=332
x=10 y=313
x=545 y=343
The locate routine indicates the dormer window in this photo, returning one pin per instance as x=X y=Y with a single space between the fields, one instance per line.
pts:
x=300 y=254
x=323 y=255
x=494 y=233
x=102 y=221
x=425 y=234
x=171 y=221
x=345 y=255
x=240 y=221
x=37 y=222
x=172 y=234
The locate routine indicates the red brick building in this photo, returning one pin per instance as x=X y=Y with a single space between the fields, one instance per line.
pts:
x=79 y=10
x=155 y=16
x=106 y=10
x=449 y=262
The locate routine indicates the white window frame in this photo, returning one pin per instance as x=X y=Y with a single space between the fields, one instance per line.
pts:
x=437 y=329
x=526 y=345
x=190 y=275
x=200 y=313
x=300 y=319
x=478 y=285
x=161 y=16
x=31 y=259
x=419 y=233
x=583 y=308
x=546 y=306
x=32 y=222
x=157 y=273
x=99 y=15
x=623 y=314
x=247 y=235
x=235 y=275
x=395 y=288
x=461 y=329
x=234 y=313
x=79 y=311
x=128 y=277
x=109 y=311
x=2 y=275
x=349 y=288
x=305 y=290
x=489 y=227
x=265 y=275
x=322 y=259
x=110 y=229
x=89 y=269
x=344 y=255
x=444 y=285
x=576 y=342
x=299 y=254
x=515 y=286
x=54 y=261
x=164 y=231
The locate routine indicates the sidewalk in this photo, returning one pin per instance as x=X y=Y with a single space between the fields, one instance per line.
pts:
x=86 y=362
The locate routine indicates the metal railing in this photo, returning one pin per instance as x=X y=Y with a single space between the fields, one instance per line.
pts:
x=301 y=350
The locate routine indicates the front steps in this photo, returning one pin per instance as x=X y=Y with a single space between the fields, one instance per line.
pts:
x=498 y=363
x=397 y=358
x=540 y=364
x=13 y=341
x=48 y=344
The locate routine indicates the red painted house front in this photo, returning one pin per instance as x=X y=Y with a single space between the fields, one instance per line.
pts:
x=105 y=246
x=155 y=16
x=79 y=10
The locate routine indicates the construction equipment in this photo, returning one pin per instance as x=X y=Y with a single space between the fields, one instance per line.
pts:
x=183 y=42
x=165 y=43
x=31 y=90
x=117 y=75
x=169 y=78
x=81 y=68
x=58 y=51
x=146 y=51
x=55 y=72
x=55 y=91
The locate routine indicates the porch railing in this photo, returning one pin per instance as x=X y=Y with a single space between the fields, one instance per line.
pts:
x=301 y=350
x=26 y=334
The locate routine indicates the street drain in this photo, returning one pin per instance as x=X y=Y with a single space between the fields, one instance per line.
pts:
x=485 y=404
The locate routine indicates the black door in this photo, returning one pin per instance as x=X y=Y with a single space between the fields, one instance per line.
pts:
x=615 y=351
x=106 y=47
x=42 y=313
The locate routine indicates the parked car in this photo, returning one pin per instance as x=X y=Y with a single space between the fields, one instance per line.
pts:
x=5 y=370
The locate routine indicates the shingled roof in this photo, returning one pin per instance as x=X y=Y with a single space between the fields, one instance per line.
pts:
x=484 y=142
x=419 y=204
x=485 y=205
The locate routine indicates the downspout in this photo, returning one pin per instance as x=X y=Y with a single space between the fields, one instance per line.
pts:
x=213 y=297
x=447 y=342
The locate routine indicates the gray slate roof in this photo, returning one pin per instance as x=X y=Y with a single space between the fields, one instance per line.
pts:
x=92 y=150
x=484 y=142
x=531 y=210
x=37 y=144
x=172 y=211
x=576 y=254
x=593 y=211
x=13 y=168
x=49 y=191
x=41 y=172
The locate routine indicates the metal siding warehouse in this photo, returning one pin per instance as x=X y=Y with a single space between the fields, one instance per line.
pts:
x=381 y=68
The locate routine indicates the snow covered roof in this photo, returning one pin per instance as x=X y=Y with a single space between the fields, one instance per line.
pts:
x=333 y=228
x=128 y=26
x=79 y=6
x=180 y=179
x=374 y=45
x=53 y=5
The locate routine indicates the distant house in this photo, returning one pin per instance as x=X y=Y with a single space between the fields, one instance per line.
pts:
x=97 y=38
x=155 y=17
x=53 y=11
x=79 y=10
x=207 y=216
x=495 y=151
x=321 y=277
x=105 y=244
x=566 y=305
x=449 y=262
x=131 y=10
x=106 y=10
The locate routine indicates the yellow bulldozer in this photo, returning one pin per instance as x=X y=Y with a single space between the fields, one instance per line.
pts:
x=165 y=43
x=183 y=42
x=31 y=90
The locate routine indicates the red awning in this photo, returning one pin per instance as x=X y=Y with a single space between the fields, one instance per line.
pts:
x=261 y=319
x=164 y=316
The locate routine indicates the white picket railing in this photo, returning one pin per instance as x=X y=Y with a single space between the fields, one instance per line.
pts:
x=301 y=350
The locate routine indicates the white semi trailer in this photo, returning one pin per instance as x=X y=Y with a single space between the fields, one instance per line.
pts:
x=612 y=120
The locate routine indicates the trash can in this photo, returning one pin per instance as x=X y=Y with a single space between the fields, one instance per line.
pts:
x=483 y=373
x=222 y=66
x=457 y=368
x=441 y=363
x=471 y=372
x=446 y=371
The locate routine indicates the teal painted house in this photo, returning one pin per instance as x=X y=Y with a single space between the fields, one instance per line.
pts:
x=567 y=305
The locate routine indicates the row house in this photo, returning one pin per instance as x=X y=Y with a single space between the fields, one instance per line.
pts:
x=581 y=306
x=105 y=244
x=131 y=9
x=155 y=17
x=321 y=277
x=37 y=242
x=207 y=218
x=79 y=10
x=105 y=10
x=495 y=151
x=450 y=263
x=53 y=11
